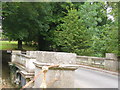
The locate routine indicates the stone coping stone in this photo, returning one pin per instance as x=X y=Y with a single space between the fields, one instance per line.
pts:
x=15 y=51
x=23 y=70
x=26 y=56
x=9 y=51
x=26 y=74
x=20 y=66
x=95 y=58
x=61 y=66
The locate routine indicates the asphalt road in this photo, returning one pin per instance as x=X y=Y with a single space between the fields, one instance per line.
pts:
x=87 y=78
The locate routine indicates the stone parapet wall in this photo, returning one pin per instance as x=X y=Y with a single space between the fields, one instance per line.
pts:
x=56 y=57
x=56 y=77
x=110 y=62
x=23 y=60
x=62 y=75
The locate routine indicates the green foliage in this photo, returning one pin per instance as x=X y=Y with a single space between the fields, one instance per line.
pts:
x=22 y=18
x=82 y=27
x=87 y=31
x=23 y=21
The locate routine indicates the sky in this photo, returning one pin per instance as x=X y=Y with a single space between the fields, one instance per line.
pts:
x=109 y=9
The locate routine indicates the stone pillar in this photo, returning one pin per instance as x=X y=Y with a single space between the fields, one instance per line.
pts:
x=57 y=77
x=30 y=67
x=14 y=52
x=111 y=62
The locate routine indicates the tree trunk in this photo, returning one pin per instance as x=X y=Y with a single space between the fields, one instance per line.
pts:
x=19 y=44
x=41 y=43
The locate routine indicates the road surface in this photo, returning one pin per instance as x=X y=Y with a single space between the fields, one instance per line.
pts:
x=88 y=78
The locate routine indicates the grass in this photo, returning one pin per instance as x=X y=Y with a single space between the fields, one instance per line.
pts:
x=12 y=45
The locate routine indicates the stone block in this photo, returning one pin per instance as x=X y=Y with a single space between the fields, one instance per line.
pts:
x=111 y=62
x=32 y=53
x=29 y=65
x=111 y=65
x=56 y=57
x=56 y=78
x=111 y=56
x=14 y=52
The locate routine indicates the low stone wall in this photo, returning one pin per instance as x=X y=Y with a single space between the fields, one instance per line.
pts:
x=57 y=77
x=23 y=60
x=31 y=63
x=110 y=62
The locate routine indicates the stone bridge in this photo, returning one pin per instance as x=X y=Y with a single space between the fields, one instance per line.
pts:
x=73 y=71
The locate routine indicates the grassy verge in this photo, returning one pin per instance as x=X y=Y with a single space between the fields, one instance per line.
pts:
x=12 y=45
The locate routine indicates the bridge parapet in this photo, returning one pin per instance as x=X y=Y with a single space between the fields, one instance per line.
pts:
x=110 y=62
x=23 y=60
x=14 y=52
x=57 y=77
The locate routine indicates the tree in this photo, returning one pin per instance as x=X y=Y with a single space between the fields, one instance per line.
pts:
x=86 y=30
x=82 y=28
x=73 y=35
x=13 y=22
x=106 y=37
x=23 y=21
x=58 y=10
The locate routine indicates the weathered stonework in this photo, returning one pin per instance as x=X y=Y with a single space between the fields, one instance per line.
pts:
x=56 y=57
x=31 y=64
x=112 y=62
x=58 y=77
x=14 y=52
